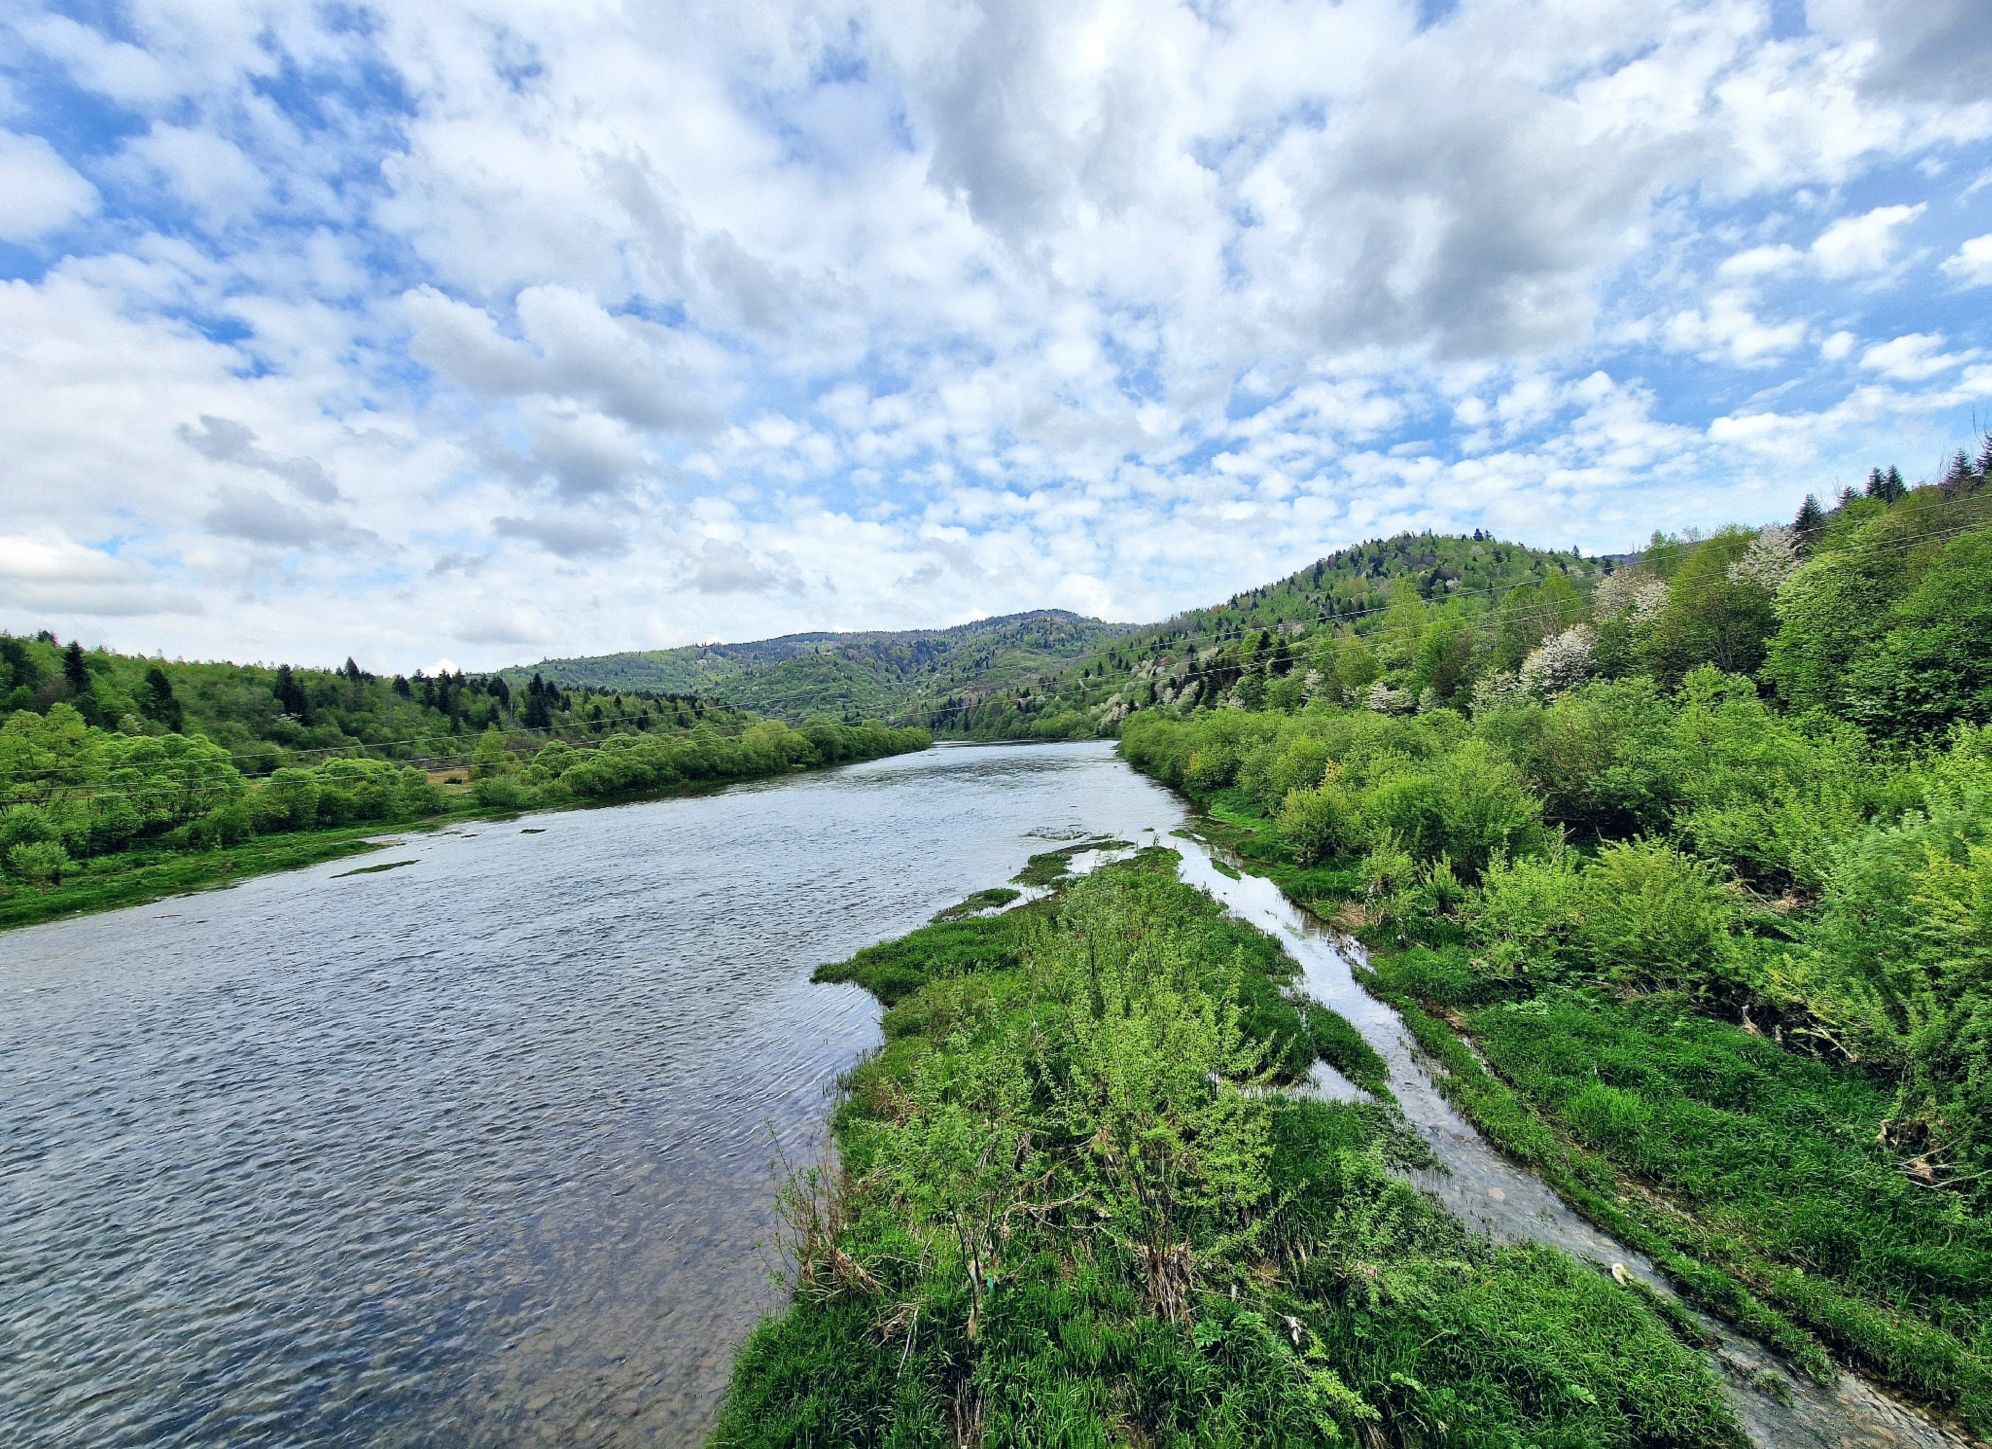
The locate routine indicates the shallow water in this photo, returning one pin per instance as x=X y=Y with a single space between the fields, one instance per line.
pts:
x=477 y=1149
x=1505 y=1201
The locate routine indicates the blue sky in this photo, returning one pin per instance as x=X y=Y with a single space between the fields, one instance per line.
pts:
x=479 y=333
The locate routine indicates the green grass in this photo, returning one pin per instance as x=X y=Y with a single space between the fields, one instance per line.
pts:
x=983 y=900
x=107 y=883
x=1750 y=1174
x=1048 y=867
x=1058 y=1220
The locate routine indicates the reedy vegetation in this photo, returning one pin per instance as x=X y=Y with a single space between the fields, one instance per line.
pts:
x=1072 y=1208
x=1712 y=893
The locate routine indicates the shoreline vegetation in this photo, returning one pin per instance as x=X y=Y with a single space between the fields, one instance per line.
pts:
x=1677 y=865
x=1076 y=1199
x=1636 y=1031
x=90 y=828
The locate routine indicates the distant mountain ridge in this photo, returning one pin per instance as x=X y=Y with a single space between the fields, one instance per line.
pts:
x=1053 y=674
x=870 y=672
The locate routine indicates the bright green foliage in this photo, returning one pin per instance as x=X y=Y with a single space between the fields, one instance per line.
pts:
x=1320 y=822
x=96 y=791
x=1933 y=667
x=1652 y=918
x=1069 y=1212
x=1807 y=1078
x=1711 y=618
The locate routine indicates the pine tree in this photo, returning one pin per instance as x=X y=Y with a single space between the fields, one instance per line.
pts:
x=290 y=695
x=1810 y=523
x=1896 y=487
x=158 y=703
x=1960 y=479
x=1877 y=486
x=75 y=672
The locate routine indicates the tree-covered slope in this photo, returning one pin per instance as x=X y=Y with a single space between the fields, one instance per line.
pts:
x=1338 y=618
x=874 y=673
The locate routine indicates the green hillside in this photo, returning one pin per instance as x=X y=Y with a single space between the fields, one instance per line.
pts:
x=1339 y=622
x=905 y=673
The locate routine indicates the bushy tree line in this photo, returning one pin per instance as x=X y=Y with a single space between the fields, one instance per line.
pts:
x=269 y=716
x=71 y=791
x=558 y=773
x=1694 y=841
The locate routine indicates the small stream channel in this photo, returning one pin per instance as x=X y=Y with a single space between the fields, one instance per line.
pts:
x=1780 y=1410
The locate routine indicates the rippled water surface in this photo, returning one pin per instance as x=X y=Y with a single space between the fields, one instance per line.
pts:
x=471 y=1151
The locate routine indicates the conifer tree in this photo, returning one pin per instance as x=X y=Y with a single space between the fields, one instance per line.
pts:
x=75 y=672
x=290 y=695
x=1810 y=523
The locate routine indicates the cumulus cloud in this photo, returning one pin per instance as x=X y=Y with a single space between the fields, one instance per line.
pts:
x=570 y=536
x=1865 y=243
x=39 y=192
x=1971 y=266
x=862 y=313
x=225 y=440
x=1913 y=357
x=59 y=577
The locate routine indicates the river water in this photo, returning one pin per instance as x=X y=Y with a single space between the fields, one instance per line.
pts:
x=480 y=1149
x=474 y=1150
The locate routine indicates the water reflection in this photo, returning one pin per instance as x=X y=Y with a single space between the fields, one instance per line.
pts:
x=475 y=1150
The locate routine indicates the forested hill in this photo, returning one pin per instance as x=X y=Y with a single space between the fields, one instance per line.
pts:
x=904 y=673
x=1329 y=619
x=265 y=716
x=1422 y=621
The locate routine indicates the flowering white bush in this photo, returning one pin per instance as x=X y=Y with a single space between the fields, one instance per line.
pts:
x=1385 y=700
x=1631 y=593
x=1560 y=664
x=1769 y=560
x=1494 y=690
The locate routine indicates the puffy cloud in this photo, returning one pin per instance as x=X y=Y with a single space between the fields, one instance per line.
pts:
x=1866 y=243
x=226 y=441
x=1913 y=357
x=39 y=192
x=873 y=313
x=1971 y=266
x=59 y=577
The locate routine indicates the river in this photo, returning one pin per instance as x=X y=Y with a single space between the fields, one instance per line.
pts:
x=477 y=1149
x=481 y=1148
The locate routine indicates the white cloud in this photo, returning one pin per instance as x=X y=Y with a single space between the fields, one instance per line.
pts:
x=1861 y=244
x=867 y=312
x=1913 y=357
x=39 y=192
x=207 y=172
x=1971 y=266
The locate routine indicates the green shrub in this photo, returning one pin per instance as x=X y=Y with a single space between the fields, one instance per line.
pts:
x=1652 y=917
x=38 y=862
x=1469 y=805
x=1320 y=822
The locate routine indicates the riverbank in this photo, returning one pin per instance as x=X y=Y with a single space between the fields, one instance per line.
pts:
x=140 y=877
x=1749 y=1174
x=1083 y=1196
